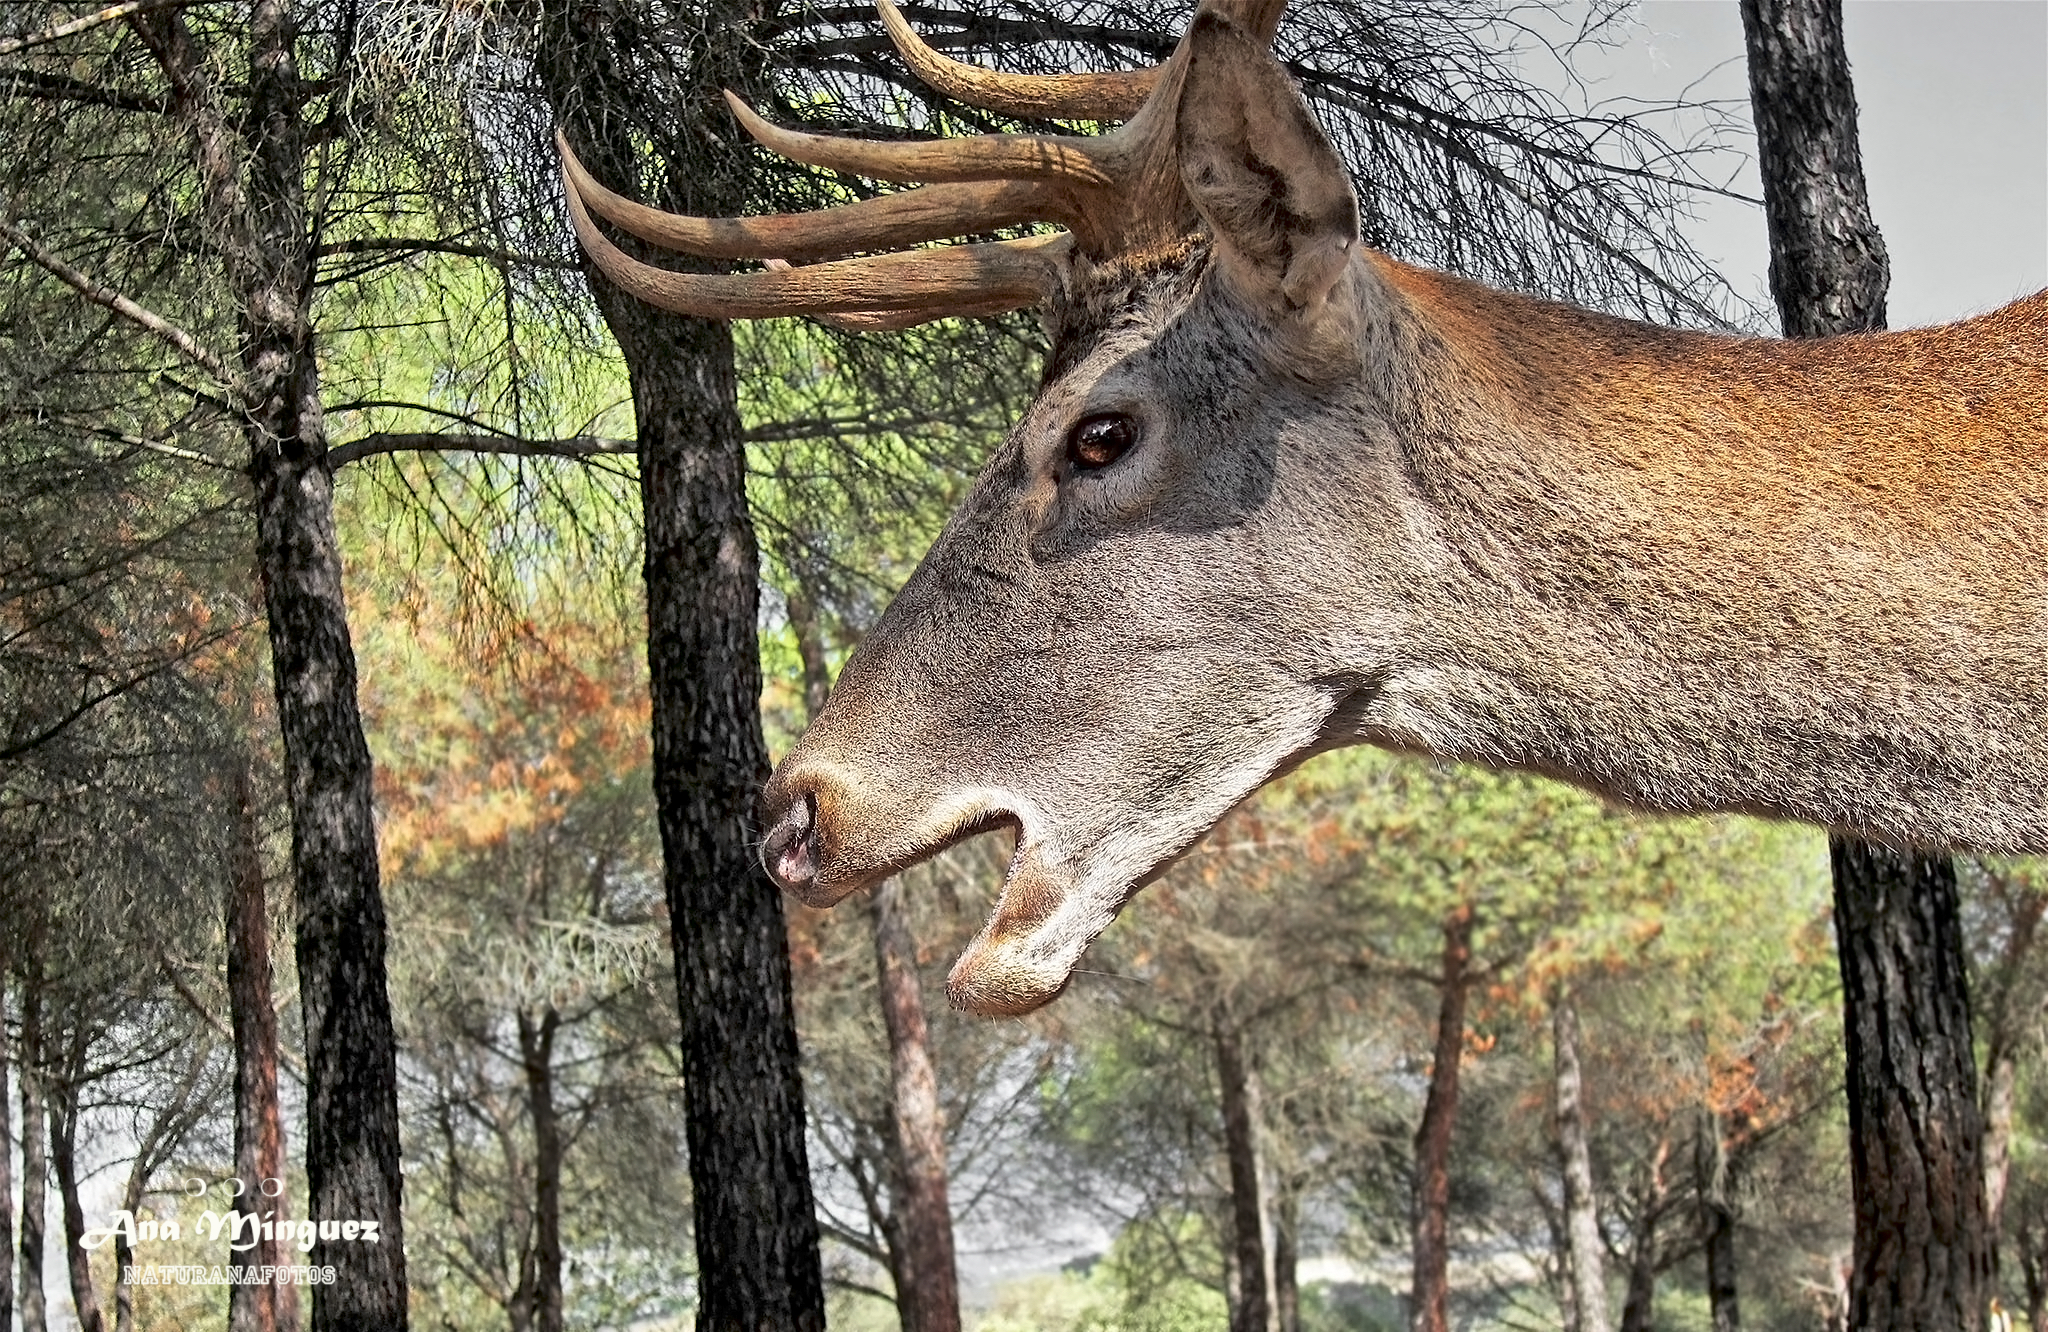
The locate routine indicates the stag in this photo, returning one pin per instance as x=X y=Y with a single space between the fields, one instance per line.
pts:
x=1280 y=493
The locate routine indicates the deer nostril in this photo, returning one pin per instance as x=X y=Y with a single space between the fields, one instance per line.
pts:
x=790 y=853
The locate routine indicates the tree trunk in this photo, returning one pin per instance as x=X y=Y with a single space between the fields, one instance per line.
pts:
x=6 y=1166
x=1252 y=1309
x=1430 y=1296
x=63 y=1101
x=1922 y=1256
x=810 y=651
x=351 y=1051
x=1286 y=1259
x=2001 y=1075
x=35 y=1138
x=756 y=1229
x=1717 y=1224
x=1639 y=1307
x=757 y=1236
x=1829 y=270
x=537 y=1055
x=259 y=1123
x=2033 y=1255
x=2006 y=1032
x=258 y=212
x=1582 y=1222
x=928 y=1290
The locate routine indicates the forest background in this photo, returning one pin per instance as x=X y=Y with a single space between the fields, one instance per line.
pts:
x=1254 y=1048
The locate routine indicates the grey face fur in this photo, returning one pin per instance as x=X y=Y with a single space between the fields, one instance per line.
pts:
x=1052 y=665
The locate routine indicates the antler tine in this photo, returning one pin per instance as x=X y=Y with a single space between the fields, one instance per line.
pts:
x=1031 y=96
x=979 y=157
x=908 y=217
x=956 y=278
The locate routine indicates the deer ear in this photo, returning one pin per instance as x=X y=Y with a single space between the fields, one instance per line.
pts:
x=1260 y=171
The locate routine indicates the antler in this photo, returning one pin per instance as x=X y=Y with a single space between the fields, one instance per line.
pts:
x=1112 y=192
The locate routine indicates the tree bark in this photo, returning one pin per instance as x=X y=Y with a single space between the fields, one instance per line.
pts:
x=757 y=1237
x=1252 y=1309
x=1582 y=1222
x=259 y=214
x=1922 y=1255
x=928 y=1289
x=352 y=1149
x=1717 y=1224
x=35 y=1138
x=1639 y=1306
x=756 y=1228
x=1829 y=270
x=1286 y=1260
x=259 y=1122
x=63 y=1103
x=2006 y=1031
x=6 y=1164
x=1430 y=1296
x=810 y=651
x=537 y=1055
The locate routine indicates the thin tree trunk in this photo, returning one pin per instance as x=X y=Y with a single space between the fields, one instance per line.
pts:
x=2001 y=1076
x=2006 y=1031
x=1582 y=1222
x=810 y=651
x=35 y=1138
x=928 y=1294
x=1430 y=1296
x=1251 y=1311
x=537 y=1055
x=6 y=1166
x=2033 y=1247
x=259 y=1123
x=756 y=1227
x=1286 y=1260
x=253 y=180
x=63 y=1102
x=1717 y=1224
x=1922 y=1258
x=1639 y=1306
x=164 y=1135
x=1922 y=1254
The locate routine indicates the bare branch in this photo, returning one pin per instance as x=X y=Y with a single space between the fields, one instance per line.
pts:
x=59 y=88
x=404 y=245
x=102 y=295
x=580 y=446
x=111 y=14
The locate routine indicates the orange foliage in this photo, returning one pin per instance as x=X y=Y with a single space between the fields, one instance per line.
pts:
x=476 y=746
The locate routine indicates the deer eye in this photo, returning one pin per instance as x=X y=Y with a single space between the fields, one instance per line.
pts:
x=1098 y=441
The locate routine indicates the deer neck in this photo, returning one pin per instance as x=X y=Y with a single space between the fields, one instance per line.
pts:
x=1699 y=573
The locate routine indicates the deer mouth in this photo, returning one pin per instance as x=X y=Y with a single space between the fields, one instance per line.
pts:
x=1054 y=900
x=816 y=854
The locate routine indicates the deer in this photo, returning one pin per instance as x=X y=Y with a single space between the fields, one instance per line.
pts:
x=1280 y=493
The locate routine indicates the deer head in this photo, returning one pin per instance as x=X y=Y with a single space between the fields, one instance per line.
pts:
x=1279 y=493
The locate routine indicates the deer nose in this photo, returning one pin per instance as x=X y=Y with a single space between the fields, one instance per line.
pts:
x=790 y=852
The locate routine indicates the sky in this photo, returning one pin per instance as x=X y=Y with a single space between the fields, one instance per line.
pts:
x=1953 y=113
